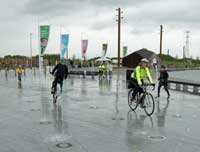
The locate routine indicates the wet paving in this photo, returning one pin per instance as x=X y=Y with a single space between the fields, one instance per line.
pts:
x=92 y=115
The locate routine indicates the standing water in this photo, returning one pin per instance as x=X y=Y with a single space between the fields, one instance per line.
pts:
x=191 y=75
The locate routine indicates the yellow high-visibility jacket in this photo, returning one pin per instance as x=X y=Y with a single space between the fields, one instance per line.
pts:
x=19 y=70
x=141 y=73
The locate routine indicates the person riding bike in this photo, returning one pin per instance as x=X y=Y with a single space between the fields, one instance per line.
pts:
x=60 y=72
x=141 y=71
x=19 y=72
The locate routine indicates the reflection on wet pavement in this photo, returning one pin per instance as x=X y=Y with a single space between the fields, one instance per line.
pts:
x=92 y=115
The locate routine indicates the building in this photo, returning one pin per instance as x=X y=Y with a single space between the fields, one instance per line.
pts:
x=132 y=60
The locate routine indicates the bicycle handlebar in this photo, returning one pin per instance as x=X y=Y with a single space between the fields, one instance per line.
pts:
x=149 y=84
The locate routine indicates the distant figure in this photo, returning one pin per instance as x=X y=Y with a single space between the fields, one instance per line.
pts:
x=79 y=65
x=163 y=80
x=19 y=72
x=110 y=69
x=72 y=63
x=54 y=62
x=101 y=69
x=49 y=63
x=90 y=64
x=155 y=64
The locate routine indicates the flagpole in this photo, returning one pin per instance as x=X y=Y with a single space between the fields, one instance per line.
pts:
x=67 y=48
x=31 y=49
x=40 y=66
x=60 y=43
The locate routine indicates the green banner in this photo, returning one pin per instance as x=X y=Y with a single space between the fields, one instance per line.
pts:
x=44 y=36
x=125 y=48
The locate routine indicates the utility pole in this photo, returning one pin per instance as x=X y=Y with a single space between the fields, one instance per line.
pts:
x=31 y=49
x=184 y=52
x=119 y=34
x=161 y=36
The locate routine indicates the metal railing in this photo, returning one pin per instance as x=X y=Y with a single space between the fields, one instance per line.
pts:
x=184 y=86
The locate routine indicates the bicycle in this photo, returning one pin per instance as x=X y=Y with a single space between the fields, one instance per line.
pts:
x=56 y=92
x=145 y=99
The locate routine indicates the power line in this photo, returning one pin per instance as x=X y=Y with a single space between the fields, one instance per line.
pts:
x=187 y=49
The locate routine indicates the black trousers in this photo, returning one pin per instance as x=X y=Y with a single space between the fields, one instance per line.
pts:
x=58 y=79
x=165 y=87
x=136 y=86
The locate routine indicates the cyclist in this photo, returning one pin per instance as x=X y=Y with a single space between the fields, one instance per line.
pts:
x=60 y=72
x=19 y=72
x=141 y=71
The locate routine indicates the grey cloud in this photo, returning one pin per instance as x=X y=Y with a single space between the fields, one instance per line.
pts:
x=82 y=10
x=169 y=13
x=50 y=7
x=60 y=7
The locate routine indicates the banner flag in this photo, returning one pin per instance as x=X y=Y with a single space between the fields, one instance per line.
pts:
x=44 y=36
x=125 y=48
x=105 y=47
x=64 y=45
x=84 y=47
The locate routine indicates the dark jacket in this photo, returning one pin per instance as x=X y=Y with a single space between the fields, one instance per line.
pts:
x=60 y=70
x=163 y=77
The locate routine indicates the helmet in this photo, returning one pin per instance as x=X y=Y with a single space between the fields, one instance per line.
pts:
x=144 y=60
x=162 y=66
x=63 y=61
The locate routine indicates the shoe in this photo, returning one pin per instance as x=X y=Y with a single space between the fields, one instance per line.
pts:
x=157 y=97
x=133 y=98
x=168 y=96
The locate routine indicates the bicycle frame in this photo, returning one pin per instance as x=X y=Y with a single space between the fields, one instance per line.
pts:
x=142 y=100
x=56 y=94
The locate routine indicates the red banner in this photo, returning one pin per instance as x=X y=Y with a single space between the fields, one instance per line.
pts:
x=84 y=48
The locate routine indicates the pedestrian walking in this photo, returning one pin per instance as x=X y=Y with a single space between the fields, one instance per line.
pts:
x=163 y=80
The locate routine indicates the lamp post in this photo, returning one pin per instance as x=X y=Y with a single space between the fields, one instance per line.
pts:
x=31 y=49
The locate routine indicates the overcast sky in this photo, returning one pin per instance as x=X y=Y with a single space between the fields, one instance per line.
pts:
x=95 y=20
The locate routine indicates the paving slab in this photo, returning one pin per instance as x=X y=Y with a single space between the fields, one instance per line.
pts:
x=92 y=115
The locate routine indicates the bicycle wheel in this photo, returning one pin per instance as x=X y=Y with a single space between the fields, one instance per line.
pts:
x=133 y=104
x=148 y=104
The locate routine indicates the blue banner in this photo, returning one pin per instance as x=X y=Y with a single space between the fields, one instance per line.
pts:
x=64 y=45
